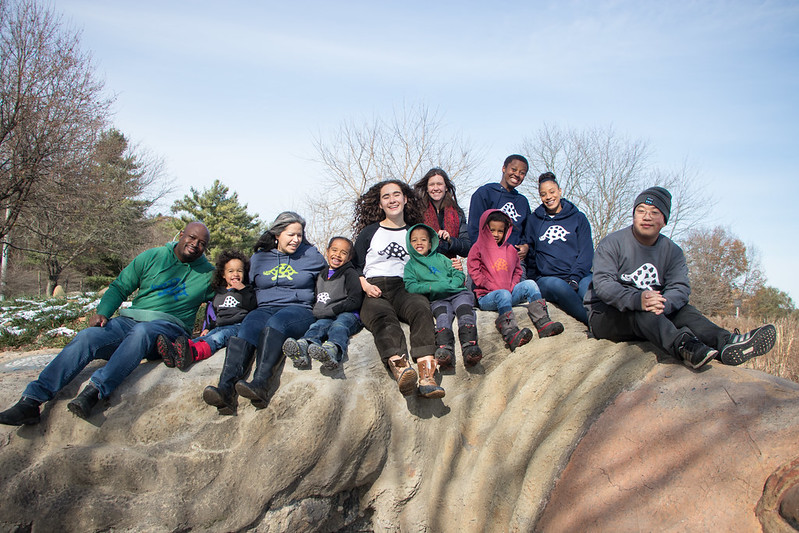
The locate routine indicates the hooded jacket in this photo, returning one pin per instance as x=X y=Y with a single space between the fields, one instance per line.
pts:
x=281 y=279
x=563 y=245
x=431 y=274
x=512 y=203
x=493 y=266
x=339 y=293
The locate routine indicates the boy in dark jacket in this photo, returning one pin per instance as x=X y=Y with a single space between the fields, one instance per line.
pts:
x=338 y=300
x=432 y=273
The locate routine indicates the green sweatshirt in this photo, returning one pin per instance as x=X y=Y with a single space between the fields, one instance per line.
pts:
x=168 y=289
x=431 y=274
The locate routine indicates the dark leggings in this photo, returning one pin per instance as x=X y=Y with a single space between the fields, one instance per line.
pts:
x=382 y=317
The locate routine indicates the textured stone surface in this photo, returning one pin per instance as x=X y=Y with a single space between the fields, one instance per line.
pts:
x=341 y=449
x=683 y=451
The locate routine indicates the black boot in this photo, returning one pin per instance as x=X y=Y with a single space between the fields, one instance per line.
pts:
x=445 y=348
x=84 y=402
x=238 y=359
x=472 y=353
x=267 y=356
x=24 y=412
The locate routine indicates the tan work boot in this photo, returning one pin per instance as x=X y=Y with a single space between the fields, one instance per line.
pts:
x=427 y=381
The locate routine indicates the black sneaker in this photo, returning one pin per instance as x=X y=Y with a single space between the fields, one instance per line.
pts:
x=741 y=348
x=695 y=354
x=23 y=413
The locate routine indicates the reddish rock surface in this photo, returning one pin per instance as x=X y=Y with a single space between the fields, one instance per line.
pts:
x=658 y=459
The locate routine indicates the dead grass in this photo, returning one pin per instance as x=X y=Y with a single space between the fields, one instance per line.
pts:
x=783 y=360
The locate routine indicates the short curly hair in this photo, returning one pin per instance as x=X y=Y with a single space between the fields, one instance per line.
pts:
x=222 y=260
x=368 y=210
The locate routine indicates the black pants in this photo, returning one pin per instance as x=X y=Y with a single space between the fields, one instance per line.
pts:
x=382 y=317
x=664 y=331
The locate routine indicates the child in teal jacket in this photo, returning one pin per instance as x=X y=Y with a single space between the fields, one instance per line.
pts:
x=432 y=274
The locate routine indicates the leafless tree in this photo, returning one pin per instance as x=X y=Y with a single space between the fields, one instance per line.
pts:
x=84 y=214
x=402 y=146
x=602 y=172
x=721 y=269
x=51 y=102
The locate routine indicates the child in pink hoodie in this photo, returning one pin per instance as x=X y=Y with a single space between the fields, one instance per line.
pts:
x=496 y=272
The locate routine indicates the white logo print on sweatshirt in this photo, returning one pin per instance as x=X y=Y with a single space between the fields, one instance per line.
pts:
x=554 y=233
x=229 y=301
x=510 y=210
x=323 y=297
x=645 y=277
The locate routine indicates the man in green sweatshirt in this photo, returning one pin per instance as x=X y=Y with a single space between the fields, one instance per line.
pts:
x=172 y=281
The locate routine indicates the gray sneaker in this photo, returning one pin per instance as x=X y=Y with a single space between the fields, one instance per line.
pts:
x=327 y=354
x=297 y=351
x=741 y=348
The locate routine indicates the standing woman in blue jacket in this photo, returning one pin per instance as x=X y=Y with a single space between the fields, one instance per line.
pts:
x=564 y=249
x=443 y=214
x=283 y=272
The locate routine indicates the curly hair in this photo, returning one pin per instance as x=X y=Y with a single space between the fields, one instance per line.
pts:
x=368 y=210
x=222 y=260
x=268 y=240
x=449 y=200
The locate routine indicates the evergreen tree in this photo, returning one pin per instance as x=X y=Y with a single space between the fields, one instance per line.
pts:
x=228 y=221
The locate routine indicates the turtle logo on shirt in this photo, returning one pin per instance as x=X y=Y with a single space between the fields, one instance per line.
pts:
x=323 y=297
x=394 y=250
x=554 y=233
x=172 y=287
x=283 y=270
x=510 y=210
x=229 y=301
x=501 y=264
x=434 y=270
x=645 y=277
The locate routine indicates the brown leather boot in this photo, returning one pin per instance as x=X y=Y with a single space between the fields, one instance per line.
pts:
x=404 y=374
x=427 y=381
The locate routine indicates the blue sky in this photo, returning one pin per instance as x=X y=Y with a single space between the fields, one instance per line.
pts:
x=239 y=90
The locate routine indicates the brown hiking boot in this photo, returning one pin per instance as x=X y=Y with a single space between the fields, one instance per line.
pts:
x=404 y=374
x=427 y=381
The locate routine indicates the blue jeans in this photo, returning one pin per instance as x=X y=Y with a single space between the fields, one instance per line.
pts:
x=291 y=321
x=122 y=342
x=504 y=300
x=338 y=331
x=560 y=293
x=217 y=338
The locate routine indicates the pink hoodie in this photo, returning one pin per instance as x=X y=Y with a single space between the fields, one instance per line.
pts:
x=493 y=266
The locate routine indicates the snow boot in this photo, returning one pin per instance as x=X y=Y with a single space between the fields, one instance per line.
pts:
x=427 y=380
x=467 y=335
x=507 y=327
x=404 y=374
x=537 y=311
x=445 y=348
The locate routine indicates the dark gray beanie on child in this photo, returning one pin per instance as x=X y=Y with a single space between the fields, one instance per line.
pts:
x=658 y=197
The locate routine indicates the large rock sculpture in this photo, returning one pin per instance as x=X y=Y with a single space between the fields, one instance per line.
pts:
x=344 y=450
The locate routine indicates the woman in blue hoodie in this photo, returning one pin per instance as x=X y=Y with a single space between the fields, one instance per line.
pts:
x=564 y=250
x=283 y=272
